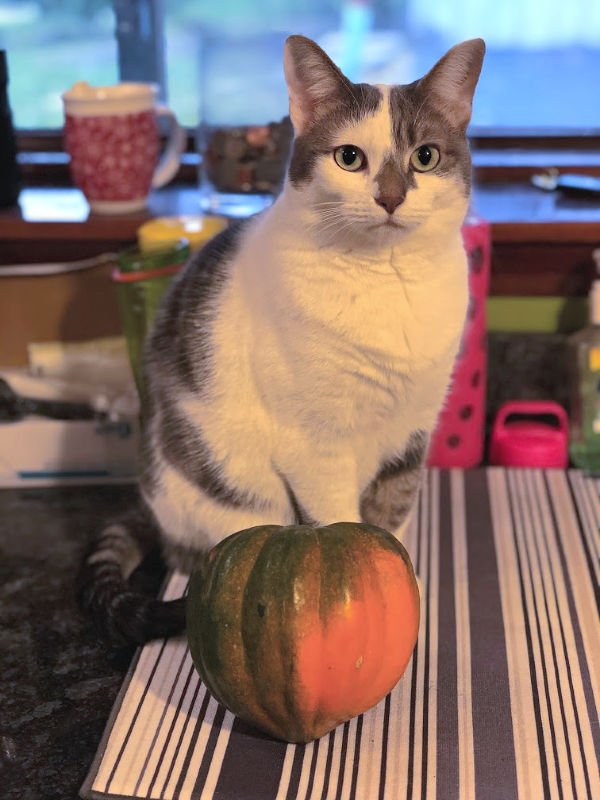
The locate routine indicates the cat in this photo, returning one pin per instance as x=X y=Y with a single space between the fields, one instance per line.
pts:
x=298 y=363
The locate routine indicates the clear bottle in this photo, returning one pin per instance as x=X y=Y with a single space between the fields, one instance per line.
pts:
x=584 y=346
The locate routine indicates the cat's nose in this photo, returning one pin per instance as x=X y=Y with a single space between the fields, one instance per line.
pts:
x=389 y=201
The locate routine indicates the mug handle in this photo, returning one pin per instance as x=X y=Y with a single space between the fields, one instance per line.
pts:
x=169 y=162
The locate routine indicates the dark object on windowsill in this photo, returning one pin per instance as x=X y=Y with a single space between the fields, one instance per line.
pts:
x=14 y=407
x=247 y=159
x=572 y=185
x=9 y=171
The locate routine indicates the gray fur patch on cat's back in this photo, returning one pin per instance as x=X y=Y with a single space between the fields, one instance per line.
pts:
x=178 y=352
x=357 y=101
x=389 y=497
x=183 y=447
x=177 y=358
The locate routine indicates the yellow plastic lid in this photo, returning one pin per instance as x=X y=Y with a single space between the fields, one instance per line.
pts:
x=166 y=230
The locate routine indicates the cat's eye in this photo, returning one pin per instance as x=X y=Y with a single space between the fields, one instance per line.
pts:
x=349 y=157
x=425 y=158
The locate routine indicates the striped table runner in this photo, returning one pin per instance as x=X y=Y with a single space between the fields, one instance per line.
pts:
x=499 y=701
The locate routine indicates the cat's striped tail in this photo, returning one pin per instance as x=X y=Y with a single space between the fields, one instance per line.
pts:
x=121 y=614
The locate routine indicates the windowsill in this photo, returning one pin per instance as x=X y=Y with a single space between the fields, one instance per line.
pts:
x=521 y=212
x=542 y=241
x=516 y=211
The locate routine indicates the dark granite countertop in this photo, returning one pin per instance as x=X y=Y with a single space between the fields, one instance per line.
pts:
x=58 y=681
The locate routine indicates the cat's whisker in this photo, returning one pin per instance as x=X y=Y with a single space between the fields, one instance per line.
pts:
x=327 y=222
x=349 y=88
x=329 y=225
x=362 y=93
x=332 y=215
x=330 y=208
x=326 y=219
x=418 y=114
x=330 y=220
x=332 y=212
x=329 y=233
x=335 y=228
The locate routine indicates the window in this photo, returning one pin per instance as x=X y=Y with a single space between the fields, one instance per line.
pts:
x=51 y=45
x=541 y=54
x=225 y=57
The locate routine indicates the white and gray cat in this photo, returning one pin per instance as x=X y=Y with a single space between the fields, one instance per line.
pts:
x=298 y=364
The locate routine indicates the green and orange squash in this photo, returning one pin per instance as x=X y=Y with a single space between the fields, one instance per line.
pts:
x=296 y=629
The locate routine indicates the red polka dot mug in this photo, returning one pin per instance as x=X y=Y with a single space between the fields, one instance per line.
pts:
x=112 y=137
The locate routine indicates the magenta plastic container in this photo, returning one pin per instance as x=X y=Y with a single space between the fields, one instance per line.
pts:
x=458 y=439
x=529 y=442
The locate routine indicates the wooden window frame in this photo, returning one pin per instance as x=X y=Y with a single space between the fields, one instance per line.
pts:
x=510 y=155
x=499 y=156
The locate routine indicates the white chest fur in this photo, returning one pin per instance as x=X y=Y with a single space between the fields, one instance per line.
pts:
x=349 y=340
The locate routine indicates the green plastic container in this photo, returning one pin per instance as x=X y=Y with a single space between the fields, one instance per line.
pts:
x=141 y=280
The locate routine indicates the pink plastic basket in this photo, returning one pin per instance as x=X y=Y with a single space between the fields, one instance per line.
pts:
x=458 y=439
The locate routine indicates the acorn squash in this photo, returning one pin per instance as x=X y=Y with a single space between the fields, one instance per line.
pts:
x=296 y=629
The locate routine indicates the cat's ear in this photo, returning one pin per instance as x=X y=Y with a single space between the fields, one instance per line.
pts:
x=313 y=80
x=453 y=80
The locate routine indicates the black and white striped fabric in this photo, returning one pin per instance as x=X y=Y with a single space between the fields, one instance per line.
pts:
x=499 y=701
